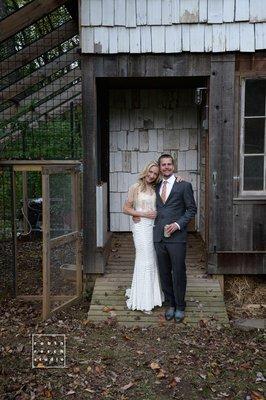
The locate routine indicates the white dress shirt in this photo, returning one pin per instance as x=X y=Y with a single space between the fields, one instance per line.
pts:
x=170 y=182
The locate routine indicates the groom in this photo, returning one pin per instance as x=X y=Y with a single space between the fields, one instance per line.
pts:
x=175 y=208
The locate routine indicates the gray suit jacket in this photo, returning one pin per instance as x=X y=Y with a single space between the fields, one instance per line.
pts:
x=180 y=207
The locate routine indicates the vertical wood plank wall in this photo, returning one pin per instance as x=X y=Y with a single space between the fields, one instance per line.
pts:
x=221 y=148
x=89 y=115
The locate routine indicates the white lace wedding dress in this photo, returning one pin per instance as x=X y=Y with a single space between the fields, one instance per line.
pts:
x=145 y=292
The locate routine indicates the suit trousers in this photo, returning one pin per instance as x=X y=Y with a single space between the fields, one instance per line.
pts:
x=172 y=269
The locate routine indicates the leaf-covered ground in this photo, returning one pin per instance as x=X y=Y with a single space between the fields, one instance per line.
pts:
x=109 y=362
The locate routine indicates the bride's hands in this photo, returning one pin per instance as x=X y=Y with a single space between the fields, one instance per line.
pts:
x=150 y=214
x=178 y=178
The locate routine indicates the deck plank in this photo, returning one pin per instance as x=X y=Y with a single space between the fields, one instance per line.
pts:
x=204 y=297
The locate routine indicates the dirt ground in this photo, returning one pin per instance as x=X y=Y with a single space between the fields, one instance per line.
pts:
x=104 y=361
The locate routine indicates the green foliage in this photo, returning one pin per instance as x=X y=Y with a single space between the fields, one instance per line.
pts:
x=59 y=138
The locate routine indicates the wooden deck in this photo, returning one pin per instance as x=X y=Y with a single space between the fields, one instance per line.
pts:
x=204 y=297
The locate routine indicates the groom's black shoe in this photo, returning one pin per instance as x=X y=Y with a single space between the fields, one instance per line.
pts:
x=169 y=313
x=179 y=316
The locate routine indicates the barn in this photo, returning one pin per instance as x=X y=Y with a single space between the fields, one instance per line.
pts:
x=185 y=77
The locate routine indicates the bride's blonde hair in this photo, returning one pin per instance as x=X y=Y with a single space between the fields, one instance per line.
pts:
x=141 y=184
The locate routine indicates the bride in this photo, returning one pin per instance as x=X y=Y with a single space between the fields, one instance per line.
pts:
x=145 y=292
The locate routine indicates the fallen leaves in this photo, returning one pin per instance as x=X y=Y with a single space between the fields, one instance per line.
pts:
x=127 y=337
x=107 y=309
x=174 y=381
x=107 y=361
x=260 y=377
x=203 y=376
x=256 y=396
x=126 y=387
x=160 y=372
x=154 y=365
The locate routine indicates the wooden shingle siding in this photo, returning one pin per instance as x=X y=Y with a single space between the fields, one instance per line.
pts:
x=247 y=37
x=257 y=11
x=232 y=37
x=166 y=12
x=260 y=36
x=189 y=11
x=215 y=12
x=120 y=12
x=154 y=12
x=197 y=38
x=242 y=10
x=174 y=38
x=95 y=12
x=203 y=26
x=141 y=11
x=203 y=10
x=130 y=13
x=218 y=38
x=228 y=10
x=143 y=124
x=108 y=12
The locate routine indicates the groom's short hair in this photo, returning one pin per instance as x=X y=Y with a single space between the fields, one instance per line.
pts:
x=165 y=156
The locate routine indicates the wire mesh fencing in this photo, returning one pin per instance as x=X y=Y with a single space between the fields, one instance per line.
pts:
x=40 y=86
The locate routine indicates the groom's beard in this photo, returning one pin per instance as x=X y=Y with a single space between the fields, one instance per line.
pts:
x=167 y=176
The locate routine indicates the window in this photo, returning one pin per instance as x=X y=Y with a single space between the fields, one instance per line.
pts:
x=253 y=137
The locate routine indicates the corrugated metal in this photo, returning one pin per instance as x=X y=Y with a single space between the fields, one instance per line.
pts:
x=167 y=26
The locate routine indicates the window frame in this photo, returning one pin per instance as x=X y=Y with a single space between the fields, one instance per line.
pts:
x=246 y=193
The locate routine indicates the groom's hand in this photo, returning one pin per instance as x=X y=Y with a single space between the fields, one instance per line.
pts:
x=172 y=228
x=136 y=219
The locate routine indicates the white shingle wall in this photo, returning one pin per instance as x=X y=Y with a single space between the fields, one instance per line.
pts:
x=172 y=26
x=158 y=121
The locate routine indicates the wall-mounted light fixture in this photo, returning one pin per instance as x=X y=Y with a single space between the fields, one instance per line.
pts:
x=199 y=95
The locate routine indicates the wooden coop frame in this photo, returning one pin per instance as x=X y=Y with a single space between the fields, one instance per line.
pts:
x=47 y=168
